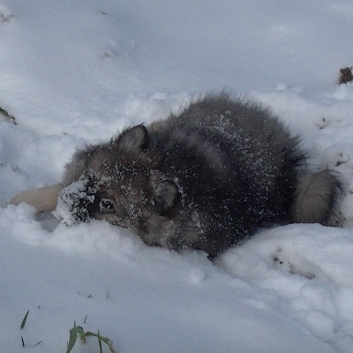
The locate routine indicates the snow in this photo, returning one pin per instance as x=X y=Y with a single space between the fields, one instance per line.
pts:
x=77 y=72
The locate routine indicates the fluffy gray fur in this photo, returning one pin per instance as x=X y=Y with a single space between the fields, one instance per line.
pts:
x=207 y=178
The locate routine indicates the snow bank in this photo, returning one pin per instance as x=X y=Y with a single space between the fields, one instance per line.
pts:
x=75 y=73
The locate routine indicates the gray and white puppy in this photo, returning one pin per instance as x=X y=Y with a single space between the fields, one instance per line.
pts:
x=207 y=178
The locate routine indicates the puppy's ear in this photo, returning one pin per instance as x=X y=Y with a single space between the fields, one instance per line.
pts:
x=165 y=192
x=133 y=139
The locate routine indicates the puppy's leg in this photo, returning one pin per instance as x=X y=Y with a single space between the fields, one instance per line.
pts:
x=44 y=199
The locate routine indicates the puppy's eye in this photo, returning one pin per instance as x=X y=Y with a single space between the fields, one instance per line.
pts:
x=106 y=206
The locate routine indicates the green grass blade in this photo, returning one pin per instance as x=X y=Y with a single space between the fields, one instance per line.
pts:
x=81 y=333
x=100 y=343
x=72 y=340
x=24 y=320
x=106 y=340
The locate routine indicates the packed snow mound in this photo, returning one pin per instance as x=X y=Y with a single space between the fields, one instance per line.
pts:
x=77 y=73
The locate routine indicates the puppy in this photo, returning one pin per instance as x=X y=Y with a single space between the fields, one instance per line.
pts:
x=207 y=178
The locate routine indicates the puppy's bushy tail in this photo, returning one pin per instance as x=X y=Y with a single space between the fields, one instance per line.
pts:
x=316 y=198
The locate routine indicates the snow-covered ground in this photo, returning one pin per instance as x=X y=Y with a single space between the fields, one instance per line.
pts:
x=78 y=71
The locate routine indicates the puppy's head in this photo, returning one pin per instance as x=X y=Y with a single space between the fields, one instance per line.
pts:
x=117 y=182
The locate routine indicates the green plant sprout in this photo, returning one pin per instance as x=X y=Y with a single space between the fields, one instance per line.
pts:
x=24 y=320
x=77 y=331
x=22 y=326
